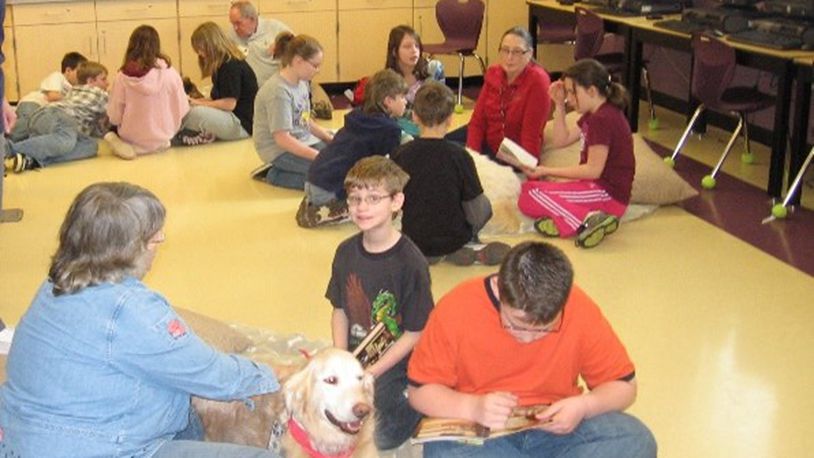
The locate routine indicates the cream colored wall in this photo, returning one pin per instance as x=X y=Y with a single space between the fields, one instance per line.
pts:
x=352 y=32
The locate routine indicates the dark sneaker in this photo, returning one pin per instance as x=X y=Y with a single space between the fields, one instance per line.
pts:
x=192 y=138
x=20 y=163
x=546 y=227
x=322 y=110
x=594 y=229
x=492 y=254
x=309 y=216
x=260 y=172
x=465 y=256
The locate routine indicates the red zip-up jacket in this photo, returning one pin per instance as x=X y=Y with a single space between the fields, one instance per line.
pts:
x=518 y=110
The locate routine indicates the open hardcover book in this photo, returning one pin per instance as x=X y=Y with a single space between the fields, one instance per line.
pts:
x=373 y=346
x=515 y=155
x=441 y=429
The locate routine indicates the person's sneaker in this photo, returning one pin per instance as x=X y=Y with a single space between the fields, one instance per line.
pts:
x=120 y=148
x=546 y=227
x=192 y=138
x=307 y=214
x=492 y=253
x=20 y=163
x=465 y=256
x=594 y=229
x=260 y=173
x=333 y=212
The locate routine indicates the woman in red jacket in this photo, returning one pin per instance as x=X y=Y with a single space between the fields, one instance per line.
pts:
x=513 y=101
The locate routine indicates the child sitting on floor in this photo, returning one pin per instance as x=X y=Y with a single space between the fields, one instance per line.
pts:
x=62 y=131
x=369 y=130
x=53 y=88
x=444 y=206
x=378 y=275
x=598 y=189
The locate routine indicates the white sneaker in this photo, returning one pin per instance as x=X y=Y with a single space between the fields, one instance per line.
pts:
x=121 y=148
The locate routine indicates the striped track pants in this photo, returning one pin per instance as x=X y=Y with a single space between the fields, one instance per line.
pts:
x=567 y=203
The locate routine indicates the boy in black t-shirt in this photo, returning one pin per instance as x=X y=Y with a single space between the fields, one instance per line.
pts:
x=379 y=275
x=444 y=206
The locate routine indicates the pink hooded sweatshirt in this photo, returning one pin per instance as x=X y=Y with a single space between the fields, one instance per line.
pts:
x=148 y=107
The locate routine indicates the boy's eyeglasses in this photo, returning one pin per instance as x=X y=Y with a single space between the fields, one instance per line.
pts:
x=536 y=332
x=512 y=52
x=370 y=199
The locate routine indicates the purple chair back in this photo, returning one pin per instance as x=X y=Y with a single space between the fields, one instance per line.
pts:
x=590 y=33
x=460 y=22
x=713 y=68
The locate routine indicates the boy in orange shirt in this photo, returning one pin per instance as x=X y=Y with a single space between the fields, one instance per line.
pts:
x=522 y=337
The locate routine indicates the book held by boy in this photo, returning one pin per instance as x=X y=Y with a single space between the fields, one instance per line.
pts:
x=515 y=155
x=374 y=345
x=440 y=429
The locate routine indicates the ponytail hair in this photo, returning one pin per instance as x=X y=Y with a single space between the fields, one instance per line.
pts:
x=589 y=72
x=304 y=46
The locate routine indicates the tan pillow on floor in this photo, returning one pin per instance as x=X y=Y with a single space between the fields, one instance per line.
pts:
x=214 y=332
x=654 y=182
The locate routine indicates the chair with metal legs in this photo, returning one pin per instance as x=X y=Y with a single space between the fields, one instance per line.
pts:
x=713 y=70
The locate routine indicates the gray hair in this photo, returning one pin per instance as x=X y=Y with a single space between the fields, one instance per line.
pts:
x=246 y=9
x=104 y=236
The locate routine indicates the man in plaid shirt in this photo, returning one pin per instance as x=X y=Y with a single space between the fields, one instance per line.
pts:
x=63 y=131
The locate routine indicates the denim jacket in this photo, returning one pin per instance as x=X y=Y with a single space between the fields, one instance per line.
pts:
x=108 y=372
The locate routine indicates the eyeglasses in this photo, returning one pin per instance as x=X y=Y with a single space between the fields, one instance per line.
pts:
x=534 y=333
x=315 y=66
x=370 y=199
x=512 y=52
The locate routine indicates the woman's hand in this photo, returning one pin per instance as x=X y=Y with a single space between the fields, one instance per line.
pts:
x=557 y=93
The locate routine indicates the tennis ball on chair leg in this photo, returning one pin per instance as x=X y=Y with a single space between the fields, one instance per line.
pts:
x=708 y=182
x=670 y=162
x=653 y=124
x=779 y=211
x=459 y=108
x=748 y=158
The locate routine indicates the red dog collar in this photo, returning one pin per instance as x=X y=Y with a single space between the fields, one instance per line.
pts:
x=301 y=437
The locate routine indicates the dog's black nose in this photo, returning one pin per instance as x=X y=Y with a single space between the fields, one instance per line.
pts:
x=361 y=410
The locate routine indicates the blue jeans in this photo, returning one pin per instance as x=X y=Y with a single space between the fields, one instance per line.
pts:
x=396 y=421
x=197 y=449
x=54 y=137
x=24 y=111
x=613 y=434
x=224 y=125
x=289 y=170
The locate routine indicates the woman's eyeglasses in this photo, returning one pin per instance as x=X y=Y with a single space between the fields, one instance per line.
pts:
x=514 y=52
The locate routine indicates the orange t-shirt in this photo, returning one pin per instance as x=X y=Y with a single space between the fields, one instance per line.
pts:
x=465 y=347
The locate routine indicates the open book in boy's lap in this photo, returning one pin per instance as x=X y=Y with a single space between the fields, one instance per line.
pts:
x=439 y=429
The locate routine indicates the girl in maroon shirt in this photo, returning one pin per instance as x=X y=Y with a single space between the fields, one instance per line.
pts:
x=597 y=190
x=514 y=100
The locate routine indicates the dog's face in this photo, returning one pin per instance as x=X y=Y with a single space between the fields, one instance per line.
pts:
x=332 y=399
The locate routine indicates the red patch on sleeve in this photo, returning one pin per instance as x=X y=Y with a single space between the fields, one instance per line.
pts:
x=1 y=434
x=176 y=328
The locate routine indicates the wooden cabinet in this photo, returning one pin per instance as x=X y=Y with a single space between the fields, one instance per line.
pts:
x=116 y=20
x=312 y=17
x=363 y=29
x=501 y=16
x=10 y=65
x=353 y=33
x=43 y=33
x=191 y=14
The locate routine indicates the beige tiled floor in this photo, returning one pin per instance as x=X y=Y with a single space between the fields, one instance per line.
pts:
x=720 y=331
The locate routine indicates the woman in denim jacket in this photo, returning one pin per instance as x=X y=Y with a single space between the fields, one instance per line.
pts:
x=100 y=365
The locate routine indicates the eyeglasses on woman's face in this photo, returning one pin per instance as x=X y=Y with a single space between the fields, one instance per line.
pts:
x=512 y=52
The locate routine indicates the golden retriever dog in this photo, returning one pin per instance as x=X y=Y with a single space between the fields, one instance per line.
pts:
x=324 y=409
